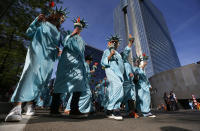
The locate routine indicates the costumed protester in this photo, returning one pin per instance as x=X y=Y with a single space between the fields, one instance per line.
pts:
x=96 y=95
x=99 y=96
x=71 y=71
x=68 y=103
x=40 y=102
x=104 y=93
x=143 y=88
x=85 y=102
x=114 y=69
x=42 y=97
x=129 y=87
x=94 y=67
x=48 y=93
x=42 y=53
x=47 y=97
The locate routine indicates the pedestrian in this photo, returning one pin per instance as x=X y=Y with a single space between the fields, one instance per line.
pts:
x=173 y=101
x=129 y=87
x=114 y=69
x=167 y=101
x=97 y=96
x=191 y=104
x=71 y=76
x=143 y=88
x=40 y=58
x=194 y=101
x=85 y=102
x=104 y=92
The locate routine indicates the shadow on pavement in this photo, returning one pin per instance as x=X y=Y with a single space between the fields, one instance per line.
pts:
x=172 y=128
x=45 y=118
x=180 y=117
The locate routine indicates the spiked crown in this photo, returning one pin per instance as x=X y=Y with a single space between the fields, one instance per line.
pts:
x=141 y=58
x=136 y=59
x=62 y=11
x=80 y=22
x=115 y=38
x=59 y=11
x=112 y=40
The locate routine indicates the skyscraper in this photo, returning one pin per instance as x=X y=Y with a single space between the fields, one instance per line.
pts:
x=150 y=30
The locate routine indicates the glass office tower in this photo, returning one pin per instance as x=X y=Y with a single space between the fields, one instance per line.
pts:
x=152 y=37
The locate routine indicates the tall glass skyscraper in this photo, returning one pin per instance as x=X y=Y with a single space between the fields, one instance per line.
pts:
x=150 y=30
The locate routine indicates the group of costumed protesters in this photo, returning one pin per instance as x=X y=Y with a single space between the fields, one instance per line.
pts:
x=124 y=84
x=128 y=84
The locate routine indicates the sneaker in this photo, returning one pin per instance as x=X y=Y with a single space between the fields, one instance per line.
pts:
x=149 y=115
x=29 y=111
x=109 y=114
x=14 y=115
x=117 y=115
x=152 y=116
x=54 y=111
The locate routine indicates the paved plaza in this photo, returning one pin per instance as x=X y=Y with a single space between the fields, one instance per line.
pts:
x=165 y=121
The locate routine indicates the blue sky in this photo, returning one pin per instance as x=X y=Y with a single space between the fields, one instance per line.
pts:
x=182 y=18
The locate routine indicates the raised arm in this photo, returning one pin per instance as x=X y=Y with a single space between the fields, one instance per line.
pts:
x=33 y=26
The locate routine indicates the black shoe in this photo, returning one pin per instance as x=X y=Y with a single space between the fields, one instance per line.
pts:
x=75 y=113
x=55 y=114
x=54 y=108
x=109 y=113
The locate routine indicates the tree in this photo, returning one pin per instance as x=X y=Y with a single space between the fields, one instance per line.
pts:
x=15 y=18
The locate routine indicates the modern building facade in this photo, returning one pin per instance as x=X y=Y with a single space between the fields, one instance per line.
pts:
x=184 y=81
x=150 y=30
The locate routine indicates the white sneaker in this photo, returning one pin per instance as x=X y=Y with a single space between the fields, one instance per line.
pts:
x=14 y=115
x=111 y=116
x=118 y=118
x=29 y=111
x=152 y=116
x=149 y=115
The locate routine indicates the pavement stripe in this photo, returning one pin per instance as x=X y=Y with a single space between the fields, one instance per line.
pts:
x=15 y=126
